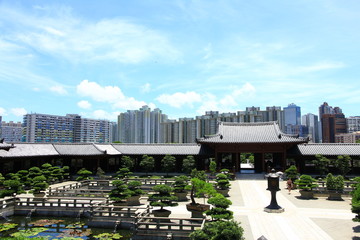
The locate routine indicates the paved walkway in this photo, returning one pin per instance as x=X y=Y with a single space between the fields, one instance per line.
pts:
x=318 y=219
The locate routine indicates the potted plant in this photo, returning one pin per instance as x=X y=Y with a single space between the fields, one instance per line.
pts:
x=219 y=230
x=162 y=197
x=199 y=188
x=222 y=184
x=335 y=186
x=292 y=173
x=135 y=193
x=39 y=186
x=219 y=210
x=306 y=184
x=84 y=174
x=180 y=187
x=120 y=193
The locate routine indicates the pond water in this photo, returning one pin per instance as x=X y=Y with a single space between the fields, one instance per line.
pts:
x=52 y=228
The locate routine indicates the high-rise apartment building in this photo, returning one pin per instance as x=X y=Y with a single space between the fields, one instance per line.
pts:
x=140 y=126
x=311 y=121
x=292 y=118
x=347 y=137
x=333 y=122
x=353 y=124
x=67 y=129
x=11 y=132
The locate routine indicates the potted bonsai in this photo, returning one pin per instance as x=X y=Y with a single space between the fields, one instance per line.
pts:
x=84 y=174
x=120 y=193
x=162 y=197
x=180 y=187
x=39 y=186
x=199 y=188
x=135 y=193
x=335 y=186
x=306 y=184
x=292 y=173
x=219 y=210
x=222 y=184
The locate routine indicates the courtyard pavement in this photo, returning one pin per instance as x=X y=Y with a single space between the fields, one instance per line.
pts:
x=318 y=219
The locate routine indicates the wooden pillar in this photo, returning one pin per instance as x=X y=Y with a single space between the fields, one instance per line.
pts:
x=237 y=162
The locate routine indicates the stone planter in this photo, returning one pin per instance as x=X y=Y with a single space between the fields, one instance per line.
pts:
x=224 y=192
x=334 y=196
x=197 y=210
x=161 y=213
x=39 y=196
x=181 y=196
x=133 y=201
x=306 y=194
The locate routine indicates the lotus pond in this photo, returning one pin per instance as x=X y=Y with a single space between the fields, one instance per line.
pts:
x=49 y=228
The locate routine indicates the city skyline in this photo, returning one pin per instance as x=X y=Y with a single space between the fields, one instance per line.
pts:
x=185 y=58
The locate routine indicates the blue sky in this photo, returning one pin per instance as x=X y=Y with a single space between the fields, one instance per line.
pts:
x=100 y=58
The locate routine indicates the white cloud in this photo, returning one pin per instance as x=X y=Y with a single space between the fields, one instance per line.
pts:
x=2 y=111
x=108 y=94
x=57 y=32
x=180 y=99
x=102 y=114
x=58 y=89
x=246 y=90
x=146 y=88
x=84 y=104
x=18 y=111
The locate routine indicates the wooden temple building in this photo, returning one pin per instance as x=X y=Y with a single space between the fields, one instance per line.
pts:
x=271 y=148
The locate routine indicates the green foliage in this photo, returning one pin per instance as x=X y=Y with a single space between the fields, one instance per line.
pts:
x=212 y=167
x=188 y=164
x=198 y=174
x=222 y=181
x=100 y=173
x=6 y=226
x=321 y=164
x=134 y=188
x=306 y=182
x=122 y=173
x=23 y=177
x=39 y=184
x=2 y=178
x=334 y=183
x=292 y=172
x=147 y=163
x=127 y=162
x=65 y=171
x=34 y=171
x=29 y=232
x=180 y=183
x=247 y=156
x=219 y=230
x=163 y=197
x=200 y=188
x=219 y=210
x=108 y=236
x=342 y=164
x=120 y=192
x=355 y=203
x=168 y=163
x=84 y=174
x=14 y=186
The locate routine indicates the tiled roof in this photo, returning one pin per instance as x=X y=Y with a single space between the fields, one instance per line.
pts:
x=262 y=132
x=5 y=146
x=29 y=150
x=161 y=149
x=329 y=149
x=85 y=149
x=110 y=150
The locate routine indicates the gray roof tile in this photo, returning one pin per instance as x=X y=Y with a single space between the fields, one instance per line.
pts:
x=110 y=150
x=262 y=132
x=77 y=149
x=29 y=150
x=329 y=149
x=160 y=149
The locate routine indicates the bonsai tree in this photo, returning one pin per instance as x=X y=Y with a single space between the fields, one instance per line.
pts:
x=321 y=164
x=355 y=203
x=222 y=184
x=180 y=184
x=168 y=164
x=198 y=174
x=147 y=163
x=13 y=186
x=212 y=167
x=46 y=171
x=200 y=188
x=100 y=173
x=23 y=176
x=224 y=230
x=342 y=164
x=34 y=171
x=65 y=170
x=306 y=184
x=120 y=192
x=292 y=173
x=122 y=173
x=219 y=210
x=84 y=174
x=188 y=164
x=56 y=173
x=134 y=188
x=2 y=179
x=127 y=162
x=335 y=186
x=162 y=197
x=39 y=184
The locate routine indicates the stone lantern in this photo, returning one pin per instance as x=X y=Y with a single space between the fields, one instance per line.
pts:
x=273 y=187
